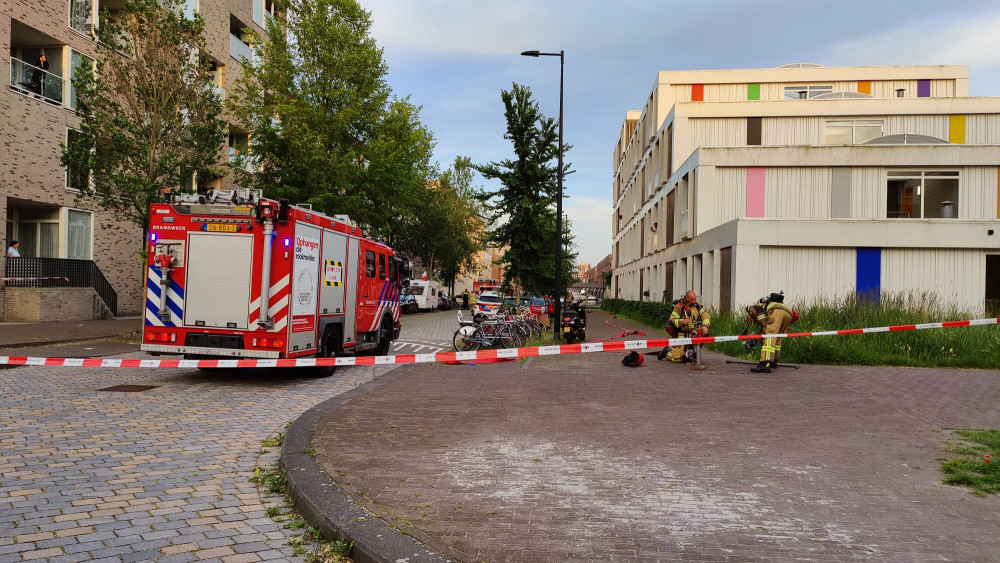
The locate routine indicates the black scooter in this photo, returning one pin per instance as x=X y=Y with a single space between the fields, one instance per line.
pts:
x=574 y=322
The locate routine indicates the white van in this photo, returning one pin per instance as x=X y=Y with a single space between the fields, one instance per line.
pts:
x=426 y=294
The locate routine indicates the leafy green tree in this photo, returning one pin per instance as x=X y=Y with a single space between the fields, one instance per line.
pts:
x=324 y=127
x=444 y=226
x=149 y=118
x=462 y=234
x=522 y=211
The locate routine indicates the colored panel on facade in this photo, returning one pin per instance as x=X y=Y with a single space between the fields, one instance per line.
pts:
x=865 y=87
x=956 y=129
x=697 y=92
x=840 y=193
x=753 y=131
x=755 y=191
x=868 y=283
x=753 y=91
x=923 y=88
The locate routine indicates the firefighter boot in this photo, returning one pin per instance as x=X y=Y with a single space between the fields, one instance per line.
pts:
x=663 y=353
x=762 y=367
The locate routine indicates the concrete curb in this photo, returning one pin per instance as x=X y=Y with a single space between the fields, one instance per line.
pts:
x=324 y=505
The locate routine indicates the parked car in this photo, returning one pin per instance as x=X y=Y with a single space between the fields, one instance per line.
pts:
x=488 y=304
x=445 y=302
x=536 y=305
x=407 y=304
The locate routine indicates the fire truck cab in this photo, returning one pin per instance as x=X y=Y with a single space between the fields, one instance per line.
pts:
x=256 y=278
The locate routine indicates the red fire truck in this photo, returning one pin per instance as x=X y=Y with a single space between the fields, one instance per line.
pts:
x=257 y=278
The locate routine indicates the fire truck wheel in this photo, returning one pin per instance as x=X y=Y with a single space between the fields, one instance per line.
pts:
x=328 y=350
x=384 y=337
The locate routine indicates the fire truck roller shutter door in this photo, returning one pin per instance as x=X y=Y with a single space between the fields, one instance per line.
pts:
x=331 y=290
x=331 y=293
x=351 y=291
x=219 y=268
x=306 y=281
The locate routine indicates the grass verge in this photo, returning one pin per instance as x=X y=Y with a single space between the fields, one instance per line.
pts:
x=967 y=347
x=972 y=470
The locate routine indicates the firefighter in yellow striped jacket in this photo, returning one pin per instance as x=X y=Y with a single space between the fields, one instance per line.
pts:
x=688 y=319
x=774 y=317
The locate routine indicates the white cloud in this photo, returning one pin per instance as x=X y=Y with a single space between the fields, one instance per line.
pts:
x=490 y=28
x=971 y=41
x=455 y=27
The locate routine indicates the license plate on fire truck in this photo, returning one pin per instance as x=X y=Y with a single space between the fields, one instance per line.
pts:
x=216 y=228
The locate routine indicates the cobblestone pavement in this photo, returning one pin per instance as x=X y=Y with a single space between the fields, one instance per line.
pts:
x=161 y=474
x=578 y=457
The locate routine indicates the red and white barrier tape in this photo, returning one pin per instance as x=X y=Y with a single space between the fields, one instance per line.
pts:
x=34 y=279
x=460 y=356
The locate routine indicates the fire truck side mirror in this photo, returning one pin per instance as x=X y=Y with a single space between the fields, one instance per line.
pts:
x=283 y=211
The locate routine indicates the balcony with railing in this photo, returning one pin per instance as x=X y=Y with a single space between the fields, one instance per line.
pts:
x=238 y=49
x=35 y=82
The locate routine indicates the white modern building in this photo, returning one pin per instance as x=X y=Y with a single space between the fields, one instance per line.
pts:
x=814 y=180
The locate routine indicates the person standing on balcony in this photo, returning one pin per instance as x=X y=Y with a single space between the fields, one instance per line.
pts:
x=37 y=75
x=12 y=250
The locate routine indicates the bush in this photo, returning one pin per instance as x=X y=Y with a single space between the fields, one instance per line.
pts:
x=967 y=347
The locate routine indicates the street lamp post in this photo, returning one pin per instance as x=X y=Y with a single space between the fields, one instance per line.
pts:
x=557 y=333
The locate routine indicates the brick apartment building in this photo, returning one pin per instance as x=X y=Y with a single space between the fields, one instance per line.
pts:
x=38 y=207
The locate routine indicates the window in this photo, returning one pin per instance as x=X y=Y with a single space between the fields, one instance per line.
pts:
x=76 y=180
x=852 y=131
x=915 y=194
x=37 y=229
x=393 y=271
x=76 y=61
x=381 y=266
x=416 y=290
x=369 y=264
x=81 y=17
x=189 y=9
x=805 y=92
x=78 y=235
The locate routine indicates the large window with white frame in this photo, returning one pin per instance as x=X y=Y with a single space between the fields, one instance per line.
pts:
x=807 y=91
x=78 y=234
x=37 y=229
x=852 y=131
x=922 y=194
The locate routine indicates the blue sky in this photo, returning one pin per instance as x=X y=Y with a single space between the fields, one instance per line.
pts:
x=454 y=56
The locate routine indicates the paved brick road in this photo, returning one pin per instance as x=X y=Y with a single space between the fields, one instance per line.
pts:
x=163 y=473
x=577 y=457
x=159 y=475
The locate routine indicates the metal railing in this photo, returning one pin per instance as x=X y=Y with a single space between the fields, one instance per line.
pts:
x=81 y=273
x=33 y=81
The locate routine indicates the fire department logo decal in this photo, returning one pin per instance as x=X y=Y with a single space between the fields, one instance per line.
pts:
x=305 y=285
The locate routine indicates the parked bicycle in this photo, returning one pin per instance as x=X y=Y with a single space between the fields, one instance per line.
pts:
x=494 y=332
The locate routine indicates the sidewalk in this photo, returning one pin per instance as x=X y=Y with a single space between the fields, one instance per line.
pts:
x=578 y=457
x=14 y=335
